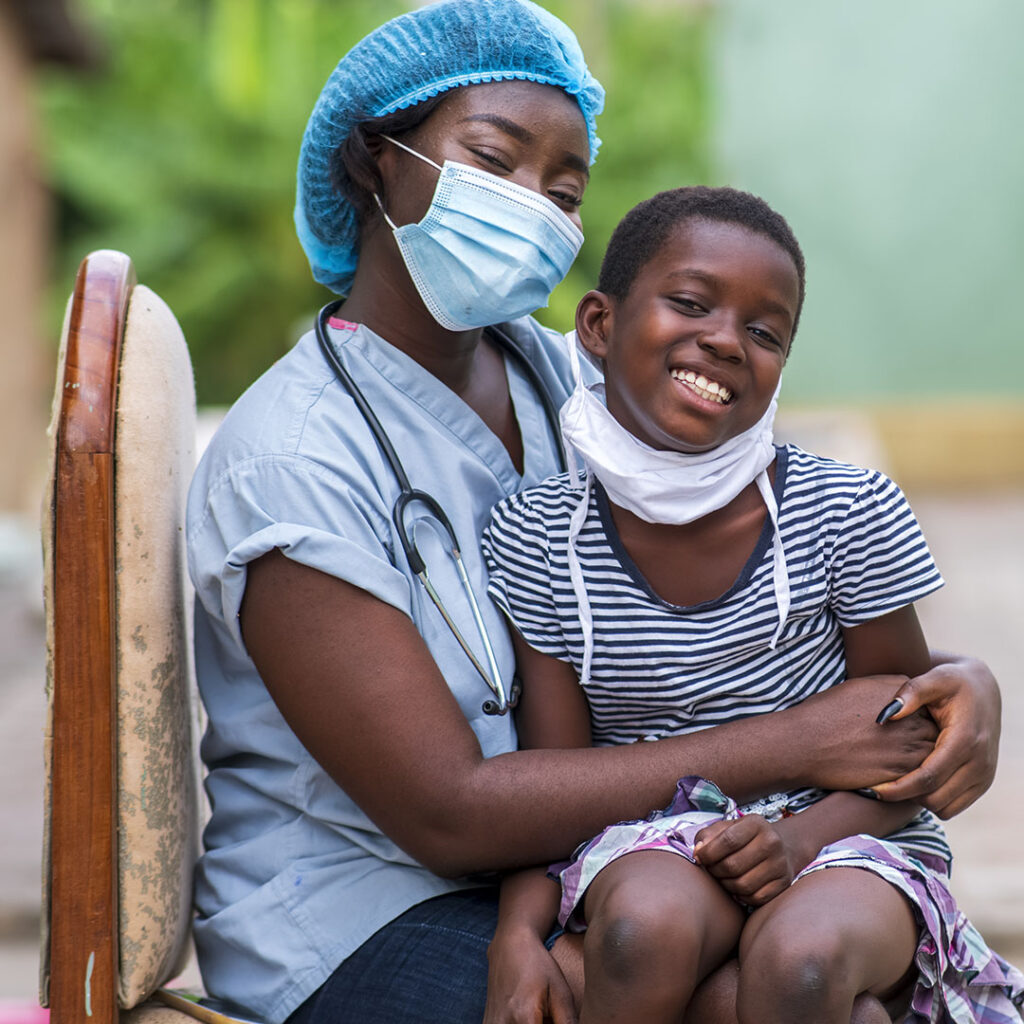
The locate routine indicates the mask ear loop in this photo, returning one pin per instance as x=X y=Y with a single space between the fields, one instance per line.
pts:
x=384 y=213
x=419 y=156
x=408 y=149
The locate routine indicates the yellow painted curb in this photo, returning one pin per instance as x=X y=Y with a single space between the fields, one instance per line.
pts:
x=950 y=444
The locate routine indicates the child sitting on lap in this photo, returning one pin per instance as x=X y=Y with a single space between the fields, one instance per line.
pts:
x=697 y=574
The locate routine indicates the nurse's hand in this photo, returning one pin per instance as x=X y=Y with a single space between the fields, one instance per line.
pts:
x=843 y=747
x=962 y=696
x=524 y=984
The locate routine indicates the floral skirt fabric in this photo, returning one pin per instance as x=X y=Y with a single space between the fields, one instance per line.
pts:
x=960 y=980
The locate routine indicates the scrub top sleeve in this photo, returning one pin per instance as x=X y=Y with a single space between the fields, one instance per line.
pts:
x=313 y=515
x=880 y=560
x=515 y=547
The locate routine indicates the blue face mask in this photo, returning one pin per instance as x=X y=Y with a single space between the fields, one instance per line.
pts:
x=487 y=250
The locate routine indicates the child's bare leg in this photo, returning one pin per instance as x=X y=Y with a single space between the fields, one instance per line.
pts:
x=714 y=1002
x=656 y=925
x=568 y=954
x=812 y=950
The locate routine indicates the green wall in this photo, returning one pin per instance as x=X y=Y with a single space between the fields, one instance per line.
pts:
x=891 y=135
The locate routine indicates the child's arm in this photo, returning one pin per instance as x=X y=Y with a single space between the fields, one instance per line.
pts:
x=552 y=712
x=523 y=982
x=893 y=644
x=755 y=860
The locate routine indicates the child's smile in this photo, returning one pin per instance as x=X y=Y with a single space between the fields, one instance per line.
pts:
x=693 y=352
x=709 y=390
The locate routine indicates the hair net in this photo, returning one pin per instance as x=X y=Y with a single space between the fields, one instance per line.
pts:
x=409 y=59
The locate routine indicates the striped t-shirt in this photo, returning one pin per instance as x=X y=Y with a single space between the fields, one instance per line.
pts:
x=854 y=552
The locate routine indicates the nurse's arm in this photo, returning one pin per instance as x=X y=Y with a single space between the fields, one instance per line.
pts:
x=357 y=684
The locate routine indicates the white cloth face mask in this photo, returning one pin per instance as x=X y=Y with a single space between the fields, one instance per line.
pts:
x=487 y=250
x=662 y=486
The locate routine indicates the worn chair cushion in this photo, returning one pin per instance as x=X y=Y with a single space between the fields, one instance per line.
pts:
x=158 y=830
x=46 y=528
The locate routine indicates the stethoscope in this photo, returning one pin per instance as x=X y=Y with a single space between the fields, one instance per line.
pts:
x=409 y=495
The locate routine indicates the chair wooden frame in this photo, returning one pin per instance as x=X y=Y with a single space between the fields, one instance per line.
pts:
x=83 y=799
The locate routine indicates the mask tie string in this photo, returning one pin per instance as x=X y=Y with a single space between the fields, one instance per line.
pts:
x=780 y=572
x=577 y=475
x=586 y=616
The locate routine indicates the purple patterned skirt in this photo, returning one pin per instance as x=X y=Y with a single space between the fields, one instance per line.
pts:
x=960 y=980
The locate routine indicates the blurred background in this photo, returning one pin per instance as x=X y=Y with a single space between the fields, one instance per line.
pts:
x=888 y=134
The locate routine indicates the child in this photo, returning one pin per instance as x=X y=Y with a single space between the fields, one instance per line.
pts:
x=698 y=575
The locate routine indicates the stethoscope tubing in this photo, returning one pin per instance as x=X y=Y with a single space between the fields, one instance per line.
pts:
x=409 y=495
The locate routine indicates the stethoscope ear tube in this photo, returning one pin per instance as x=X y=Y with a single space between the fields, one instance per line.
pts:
x=409 y=495
x=418 y=566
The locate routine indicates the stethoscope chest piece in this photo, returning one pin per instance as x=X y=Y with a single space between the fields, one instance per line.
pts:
x=491 y=707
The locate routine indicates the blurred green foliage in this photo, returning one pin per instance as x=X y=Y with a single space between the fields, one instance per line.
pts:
x=182 y=151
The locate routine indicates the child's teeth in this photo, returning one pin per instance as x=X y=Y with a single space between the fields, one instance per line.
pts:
x=709 y=389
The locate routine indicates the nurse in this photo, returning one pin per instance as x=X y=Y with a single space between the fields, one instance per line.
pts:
x=361 y=796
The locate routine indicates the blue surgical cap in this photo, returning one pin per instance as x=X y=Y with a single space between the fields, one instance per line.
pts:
x=409 y=59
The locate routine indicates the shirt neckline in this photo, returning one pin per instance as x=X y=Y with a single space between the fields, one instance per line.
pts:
x=632 y=570
x=447 y=408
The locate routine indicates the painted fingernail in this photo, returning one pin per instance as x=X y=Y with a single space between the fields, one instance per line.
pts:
x=889 y=710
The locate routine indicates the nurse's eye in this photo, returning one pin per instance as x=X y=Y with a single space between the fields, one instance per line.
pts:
x=564 y=197
x=493 y=160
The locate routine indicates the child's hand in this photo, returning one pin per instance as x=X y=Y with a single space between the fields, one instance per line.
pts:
x=750 y=858
x=524 y=983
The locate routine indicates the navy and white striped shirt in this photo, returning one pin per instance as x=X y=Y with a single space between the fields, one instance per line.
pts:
x=854 y=552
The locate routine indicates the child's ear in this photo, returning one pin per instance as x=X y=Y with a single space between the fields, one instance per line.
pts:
x=593 y=322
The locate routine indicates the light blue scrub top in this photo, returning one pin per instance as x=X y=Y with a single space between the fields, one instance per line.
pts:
x=294 y=876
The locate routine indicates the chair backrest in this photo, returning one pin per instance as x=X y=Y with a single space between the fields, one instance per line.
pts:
x=122 y=815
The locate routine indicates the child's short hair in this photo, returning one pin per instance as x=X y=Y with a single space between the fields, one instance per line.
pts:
x=642 y=232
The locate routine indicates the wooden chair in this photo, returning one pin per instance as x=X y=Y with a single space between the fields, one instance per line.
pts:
x=122 y=801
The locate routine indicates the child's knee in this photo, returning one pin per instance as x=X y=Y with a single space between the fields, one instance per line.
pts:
x=634 y=934
x=799 y=970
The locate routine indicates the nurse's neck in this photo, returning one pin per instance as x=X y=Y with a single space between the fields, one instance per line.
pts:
x=384 y=299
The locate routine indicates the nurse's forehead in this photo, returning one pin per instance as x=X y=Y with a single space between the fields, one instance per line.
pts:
x=526 y=112
x=523 y=134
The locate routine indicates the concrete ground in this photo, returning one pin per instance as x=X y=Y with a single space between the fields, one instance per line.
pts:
x=977 y=541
